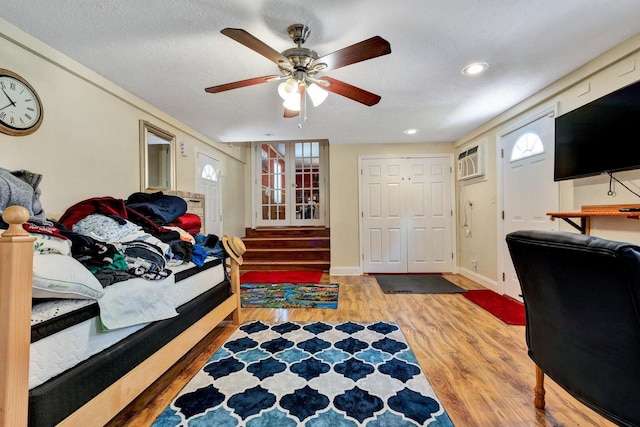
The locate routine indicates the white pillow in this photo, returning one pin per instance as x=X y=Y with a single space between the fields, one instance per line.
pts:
x=62 y=276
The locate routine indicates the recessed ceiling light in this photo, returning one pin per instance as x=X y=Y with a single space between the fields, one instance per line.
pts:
x=411 y=131
x=475 y=68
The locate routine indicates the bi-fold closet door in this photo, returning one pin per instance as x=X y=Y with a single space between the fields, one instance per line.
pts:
x=406 y=215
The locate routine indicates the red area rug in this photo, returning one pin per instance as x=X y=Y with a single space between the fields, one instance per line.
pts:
x=281 y=276
x=503 y=307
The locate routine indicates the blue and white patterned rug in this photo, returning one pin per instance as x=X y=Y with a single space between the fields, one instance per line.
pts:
x=316 y=374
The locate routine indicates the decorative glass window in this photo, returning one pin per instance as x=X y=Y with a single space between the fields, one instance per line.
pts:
x=209 y=173
x=528 y=144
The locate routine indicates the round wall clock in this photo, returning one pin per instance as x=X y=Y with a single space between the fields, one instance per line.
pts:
x=20 y=107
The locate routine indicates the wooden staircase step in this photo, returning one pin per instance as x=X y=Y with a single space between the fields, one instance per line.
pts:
x=287 y=248
x=285 y=265
x=287 y=232
x=286 y=242
x=293 y=254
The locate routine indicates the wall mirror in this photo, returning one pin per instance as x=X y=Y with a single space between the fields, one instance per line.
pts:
x=157 y=158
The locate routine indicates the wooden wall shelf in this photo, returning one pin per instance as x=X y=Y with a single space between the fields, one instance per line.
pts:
x=589 y=211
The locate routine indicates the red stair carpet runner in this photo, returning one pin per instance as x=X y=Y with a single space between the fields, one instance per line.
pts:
x=503 y=307
x=281 y=276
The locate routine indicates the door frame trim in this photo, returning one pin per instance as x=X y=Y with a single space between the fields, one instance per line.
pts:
x=450 y=157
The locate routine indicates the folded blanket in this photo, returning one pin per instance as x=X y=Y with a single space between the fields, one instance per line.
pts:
x=160 y=208
x=189 y=222
x=136 y=301
x=22 y=188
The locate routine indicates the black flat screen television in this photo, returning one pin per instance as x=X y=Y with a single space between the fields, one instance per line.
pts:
x=599 y=137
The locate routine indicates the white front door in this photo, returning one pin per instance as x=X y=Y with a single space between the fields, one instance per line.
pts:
x=528 y=188
x=406 y=215
x=208 y=183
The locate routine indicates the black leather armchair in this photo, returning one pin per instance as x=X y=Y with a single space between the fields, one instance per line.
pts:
x=582 y=301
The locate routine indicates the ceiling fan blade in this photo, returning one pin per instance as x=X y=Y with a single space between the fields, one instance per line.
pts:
x=241 y=83
x=243 y=37
x=366 y=49
x=351 y=92
x=288 y=114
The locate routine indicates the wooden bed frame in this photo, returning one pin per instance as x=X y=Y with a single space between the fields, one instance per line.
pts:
x=16 y=270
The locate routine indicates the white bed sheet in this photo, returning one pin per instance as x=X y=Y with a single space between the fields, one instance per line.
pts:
x=137 y=301
x=56 y=353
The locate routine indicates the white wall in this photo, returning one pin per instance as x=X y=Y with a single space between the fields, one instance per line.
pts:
x=88 y=143
x=481 y=216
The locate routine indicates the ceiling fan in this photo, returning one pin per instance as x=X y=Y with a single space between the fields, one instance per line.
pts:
x=299 y=67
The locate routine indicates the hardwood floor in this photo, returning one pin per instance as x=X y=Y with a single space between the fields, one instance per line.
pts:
x=477 y=365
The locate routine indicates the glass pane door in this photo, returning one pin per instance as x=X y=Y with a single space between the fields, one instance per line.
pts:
x=274 y=184
x=307 y=183
x=291 y=189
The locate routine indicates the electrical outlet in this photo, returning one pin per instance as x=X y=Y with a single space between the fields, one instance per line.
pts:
x=474 y=264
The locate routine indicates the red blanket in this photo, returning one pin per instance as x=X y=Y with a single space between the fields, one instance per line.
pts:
x=189 y=222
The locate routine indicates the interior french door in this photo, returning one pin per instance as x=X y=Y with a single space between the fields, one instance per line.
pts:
x=290 y=188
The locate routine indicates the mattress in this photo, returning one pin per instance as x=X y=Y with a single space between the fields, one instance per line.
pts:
x=52 y=401
x=67 y=332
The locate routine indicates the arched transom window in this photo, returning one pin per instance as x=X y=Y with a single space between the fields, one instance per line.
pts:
x=209 y=173
x=528 y=144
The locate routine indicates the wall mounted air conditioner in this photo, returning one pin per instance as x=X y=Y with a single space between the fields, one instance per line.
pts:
x=471 y=163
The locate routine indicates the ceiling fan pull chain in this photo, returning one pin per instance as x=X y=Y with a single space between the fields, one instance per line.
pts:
x=303 y=108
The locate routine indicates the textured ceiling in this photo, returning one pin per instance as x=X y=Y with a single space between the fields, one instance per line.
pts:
x=167 y=51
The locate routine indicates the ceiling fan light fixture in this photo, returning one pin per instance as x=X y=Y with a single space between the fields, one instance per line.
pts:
x=288 y=88
x=292 y=103
x=317 y=94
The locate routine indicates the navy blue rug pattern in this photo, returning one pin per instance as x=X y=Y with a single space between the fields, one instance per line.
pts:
x=314 y=374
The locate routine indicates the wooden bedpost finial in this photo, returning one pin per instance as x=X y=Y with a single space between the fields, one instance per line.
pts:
x=15 y=216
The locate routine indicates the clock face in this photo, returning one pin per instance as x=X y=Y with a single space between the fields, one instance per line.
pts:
x=20 y=108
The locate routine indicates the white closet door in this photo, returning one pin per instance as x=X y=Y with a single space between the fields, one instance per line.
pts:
x=385 y=236
x=406 y=215
x=429 y=215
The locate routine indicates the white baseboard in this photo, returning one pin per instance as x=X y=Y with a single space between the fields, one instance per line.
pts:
x=484 y=281
x=345 y=271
